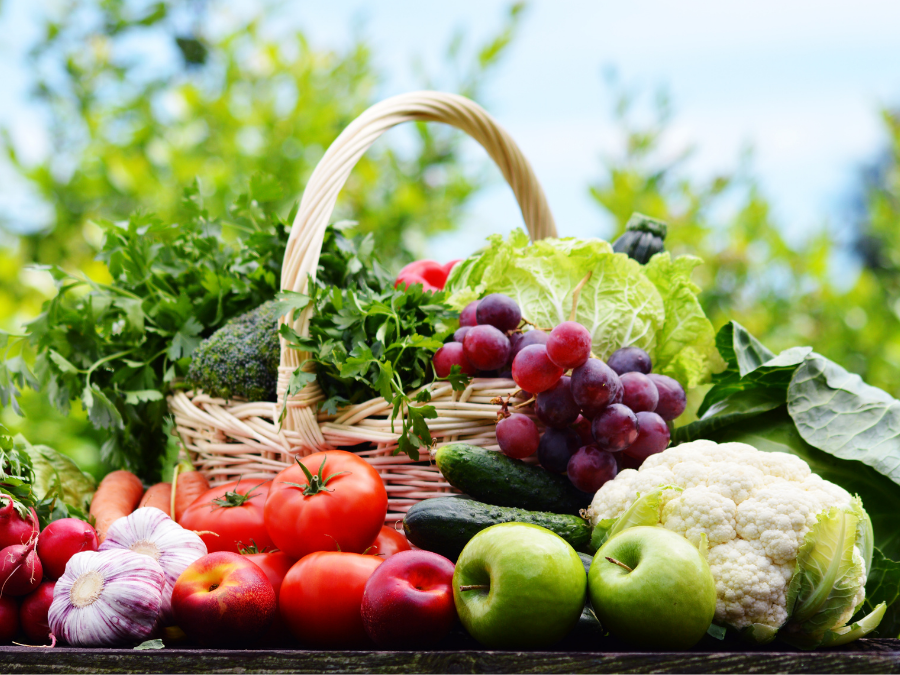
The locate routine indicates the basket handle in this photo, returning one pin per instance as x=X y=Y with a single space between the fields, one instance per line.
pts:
x=308 y=230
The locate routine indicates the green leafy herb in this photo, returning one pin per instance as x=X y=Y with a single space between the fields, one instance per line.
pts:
x=120 y=347
x=368 y=339
x=38 y=477
x=365 y=343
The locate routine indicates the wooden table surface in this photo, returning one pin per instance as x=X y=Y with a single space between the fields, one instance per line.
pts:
x=863 y=656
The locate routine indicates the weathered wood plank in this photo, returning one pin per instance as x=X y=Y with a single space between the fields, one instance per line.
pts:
x=866 y=656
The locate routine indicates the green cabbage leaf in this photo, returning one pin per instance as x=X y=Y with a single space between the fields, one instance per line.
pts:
x=621 y=302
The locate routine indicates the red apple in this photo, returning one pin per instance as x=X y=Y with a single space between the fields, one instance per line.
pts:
x=223 y=600
x=388 y=542
x=408 y=601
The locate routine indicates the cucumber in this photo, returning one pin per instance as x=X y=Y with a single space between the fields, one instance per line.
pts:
x=446 y=524
x=492 y=477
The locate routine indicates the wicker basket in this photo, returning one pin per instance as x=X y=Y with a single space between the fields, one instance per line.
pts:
x=228 y=439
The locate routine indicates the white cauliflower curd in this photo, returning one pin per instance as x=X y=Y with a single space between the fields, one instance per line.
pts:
x=757 y=512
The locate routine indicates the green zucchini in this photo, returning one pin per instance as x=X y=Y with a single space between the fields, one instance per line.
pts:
x=492 y=477
x=446 y=524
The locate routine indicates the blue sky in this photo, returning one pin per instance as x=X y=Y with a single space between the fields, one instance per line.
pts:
x=802 y=82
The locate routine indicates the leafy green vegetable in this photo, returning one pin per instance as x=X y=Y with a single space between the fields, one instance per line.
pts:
x=118 y=348
x=883 y=587
x=56 y=476
x=826 y=580
x=365 y=343
x=38 y=477
x=621 y=302
x=839 y=413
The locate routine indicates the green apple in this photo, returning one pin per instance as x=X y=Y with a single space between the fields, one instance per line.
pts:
x=518 y=586
x=652 y=588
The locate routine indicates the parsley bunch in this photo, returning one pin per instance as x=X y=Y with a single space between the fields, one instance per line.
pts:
x=120 y=347
x=368 y=339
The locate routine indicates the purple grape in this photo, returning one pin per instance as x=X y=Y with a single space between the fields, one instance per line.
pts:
x=590 y=468
x=532 y=337
x=486 y=347
x=517 y=436
x=595 y=386
x=451 y=354
x=640 y=394
x=460 y=333
x=624 y=461
x=556 y=447
x=499 y=311
x=615 y=428
x=467 y=316
x=672 y=399
x=556 y=407
x=582 y=427
x=653 y=436
x=533 y=370
x=569 y=345
x=630 y=360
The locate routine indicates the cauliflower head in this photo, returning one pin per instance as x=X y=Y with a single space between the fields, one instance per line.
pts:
x=769 y=524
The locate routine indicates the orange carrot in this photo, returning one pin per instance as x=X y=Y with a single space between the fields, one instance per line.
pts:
x=118 y=495
x=188 y=486
x=160 y=496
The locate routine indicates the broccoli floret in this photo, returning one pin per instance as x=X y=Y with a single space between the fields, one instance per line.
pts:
x=241 y=358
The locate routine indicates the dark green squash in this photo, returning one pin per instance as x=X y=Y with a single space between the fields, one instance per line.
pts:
x=643 y=238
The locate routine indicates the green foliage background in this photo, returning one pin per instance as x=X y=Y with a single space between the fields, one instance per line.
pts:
x=240 y=103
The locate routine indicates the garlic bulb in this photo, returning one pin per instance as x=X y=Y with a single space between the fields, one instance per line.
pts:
x=151 y=532
x=106 y=598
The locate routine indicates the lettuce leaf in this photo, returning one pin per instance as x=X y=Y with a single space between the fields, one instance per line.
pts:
x=622 y=303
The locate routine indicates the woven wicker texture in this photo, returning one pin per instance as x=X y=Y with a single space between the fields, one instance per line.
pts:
x=228 y=439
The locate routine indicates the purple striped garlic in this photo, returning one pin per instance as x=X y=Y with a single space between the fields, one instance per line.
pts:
x=107 y=598
x=151 y=532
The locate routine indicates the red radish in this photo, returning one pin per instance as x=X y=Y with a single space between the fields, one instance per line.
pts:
x=14 y=529
x=33 y=612
x=20 y=569
x=9 y=618
x=62 y=539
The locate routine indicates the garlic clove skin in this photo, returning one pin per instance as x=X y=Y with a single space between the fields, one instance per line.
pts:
x=107 y=599
x=151 y=532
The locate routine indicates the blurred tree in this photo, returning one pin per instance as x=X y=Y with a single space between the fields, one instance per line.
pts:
x=784 y=295
x=142 y=97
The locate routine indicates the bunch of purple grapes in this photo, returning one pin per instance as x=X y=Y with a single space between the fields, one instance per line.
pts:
x=599 y=417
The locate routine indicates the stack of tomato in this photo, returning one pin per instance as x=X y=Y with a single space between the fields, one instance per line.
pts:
x=317 y=533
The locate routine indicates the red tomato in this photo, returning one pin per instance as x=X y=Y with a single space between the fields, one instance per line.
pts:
x=275 y=564
x=337 y=504
x=321 y=598
x=233 y=511
x=389 y=542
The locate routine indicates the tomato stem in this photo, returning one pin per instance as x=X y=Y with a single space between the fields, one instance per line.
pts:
x=318 y=482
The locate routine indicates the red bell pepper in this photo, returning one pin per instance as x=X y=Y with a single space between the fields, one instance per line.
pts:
x=431 y=274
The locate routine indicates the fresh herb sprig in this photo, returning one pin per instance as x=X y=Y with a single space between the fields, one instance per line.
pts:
x=367 y=338
x=120 y=347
